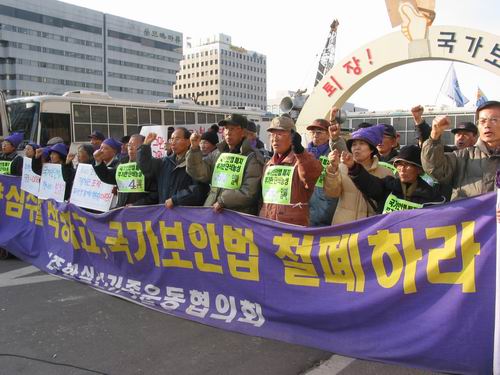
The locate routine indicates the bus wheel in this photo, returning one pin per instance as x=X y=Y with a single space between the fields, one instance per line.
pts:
x=3 y=254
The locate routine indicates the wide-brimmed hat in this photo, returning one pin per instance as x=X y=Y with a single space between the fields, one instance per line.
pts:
x=60 y=148
x=409 y=154
x=15 y=139
x=372 y=135
x=282 y=123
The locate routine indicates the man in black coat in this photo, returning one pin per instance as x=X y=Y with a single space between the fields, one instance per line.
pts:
x=146 y=195
x=175 y=186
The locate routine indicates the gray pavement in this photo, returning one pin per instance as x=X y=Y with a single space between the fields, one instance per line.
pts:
x=53 y=326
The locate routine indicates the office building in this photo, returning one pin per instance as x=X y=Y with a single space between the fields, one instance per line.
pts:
x=217 y=73
x=49 y=47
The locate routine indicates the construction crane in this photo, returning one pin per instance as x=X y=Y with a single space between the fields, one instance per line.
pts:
x=328 y=55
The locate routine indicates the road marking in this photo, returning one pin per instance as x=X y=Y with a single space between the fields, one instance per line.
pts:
x=16 y=277
x=332 y=366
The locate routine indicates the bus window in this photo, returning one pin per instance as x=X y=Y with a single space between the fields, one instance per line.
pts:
x=103 y=128
x=168 y=117
x=133 y=129
x=190 y=118
x=116 y=115
x=55 y=125
x=144 y=116
x=219 y=118
x=81 y=113
x=24 y=118
x=99 y=114
x=132 y=116
x=180 y=118
x=116 y=131
x=202 y=118
x=211 y=118
x=399 y=124
x=82 y=132
x=155 y=117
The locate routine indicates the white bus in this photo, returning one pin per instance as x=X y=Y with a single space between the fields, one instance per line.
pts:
x=76 y=114
x=404 y=124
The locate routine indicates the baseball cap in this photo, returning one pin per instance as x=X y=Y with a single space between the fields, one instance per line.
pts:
x=319 y=124
x=488 y=104
x=465 y=126
x=282 y=123
x=251 y=127
x=389 y=130
x=235 y=119
x=98 y=135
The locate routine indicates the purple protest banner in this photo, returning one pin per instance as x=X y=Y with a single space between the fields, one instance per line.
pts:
x=413 y=287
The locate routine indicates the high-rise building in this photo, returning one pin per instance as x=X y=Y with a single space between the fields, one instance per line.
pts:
x=217 y=73
x=49 y=47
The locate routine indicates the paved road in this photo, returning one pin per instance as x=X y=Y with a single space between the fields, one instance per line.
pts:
x=53 y=326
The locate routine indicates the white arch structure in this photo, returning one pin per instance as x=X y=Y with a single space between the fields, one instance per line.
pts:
x=453 y=43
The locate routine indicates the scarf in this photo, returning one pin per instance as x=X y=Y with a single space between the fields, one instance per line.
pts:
x=317 y=151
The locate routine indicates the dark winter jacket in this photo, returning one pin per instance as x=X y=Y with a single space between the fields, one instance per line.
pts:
x=379 y=189
x=16 y=168
x=172 y=178
x=107 y=174
x=246 y=198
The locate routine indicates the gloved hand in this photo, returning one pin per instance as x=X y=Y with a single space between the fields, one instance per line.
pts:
x=297 y=143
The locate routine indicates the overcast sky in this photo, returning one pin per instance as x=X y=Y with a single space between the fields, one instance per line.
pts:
x=292 y=35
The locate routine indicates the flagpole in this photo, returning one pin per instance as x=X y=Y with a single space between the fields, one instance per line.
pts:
x=442 y=84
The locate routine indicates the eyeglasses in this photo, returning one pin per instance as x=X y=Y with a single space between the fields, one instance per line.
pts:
x=317 y=132
x=484 y=120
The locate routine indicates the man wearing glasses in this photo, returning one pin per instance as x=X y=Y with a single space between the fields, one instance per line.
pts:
x=470 y=171
x=325 y=137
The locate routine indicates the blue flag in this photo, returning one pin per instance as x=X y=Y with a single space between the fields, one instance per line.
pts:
x=480 y=97
x=452 y=88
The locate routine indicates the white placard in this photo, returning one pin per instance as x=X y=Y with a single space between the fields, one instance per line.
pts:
x=89 y=191
x=158 y=145
x=52 y=185
x=30 y=181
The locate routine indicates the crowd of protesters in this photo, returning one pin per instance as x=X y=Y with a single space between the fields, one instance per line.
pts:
x=328 y=181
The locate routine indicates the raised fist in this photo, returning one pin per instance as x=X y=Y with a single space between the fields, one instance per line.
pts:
x=150 y=138
x=439 y=125
x=417 y=113
x=333 y=115
x=70 y=158
x=297 y=147
x=334 y=131
x=413 y=24
x=334 y=158
x=38 y=153
x=195 y=140
x=98 y=155
x=347 y=159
